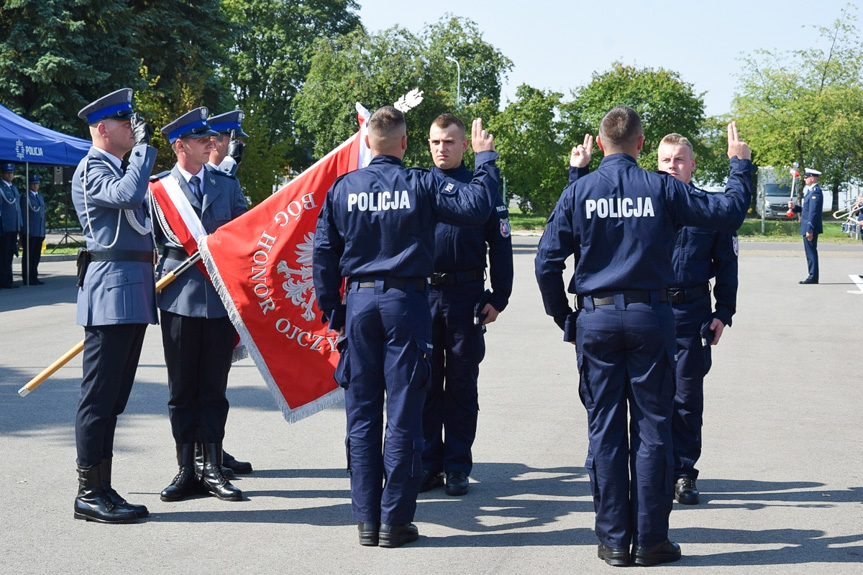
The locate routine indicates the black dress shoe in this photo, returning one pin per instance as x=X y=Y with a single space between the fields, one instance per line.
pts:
x=665 y=552
x=369 y=533
x=685 y=491
x=614 y=556
x=431 y=481
x=456 y=483
x=398 y=535
x=809 y=281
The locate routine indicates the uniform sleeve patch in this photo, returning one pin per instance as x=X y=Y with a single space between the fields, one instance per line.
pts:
x=736 y=245
x=505 y=229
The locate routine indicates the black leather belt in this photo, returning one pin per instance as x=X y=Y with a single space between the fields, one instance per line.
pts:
x=120 y=256
x=418 y=284
x=629 y=296
x=681 y=295
x=453 y=278
x=174 y=253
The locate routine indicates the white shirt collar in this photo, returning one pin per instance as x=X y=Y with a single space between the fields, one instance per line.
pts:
x=118 y=162
x=188 y=175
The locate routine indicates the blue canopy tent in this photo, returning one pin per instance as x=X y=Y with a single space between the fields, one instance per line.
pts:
x=23 y=141
x=27 y=143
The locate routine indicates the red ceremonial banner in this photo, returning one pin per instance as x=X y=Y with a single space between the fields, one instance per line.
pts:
x=261 y=265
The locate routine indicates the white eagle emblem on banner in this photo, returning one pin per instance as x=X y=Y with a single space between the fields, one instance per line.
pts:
x=301 y=291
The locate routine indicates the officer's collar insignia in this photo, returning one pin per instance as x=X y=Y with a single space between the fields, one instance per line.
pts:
x=449 y=187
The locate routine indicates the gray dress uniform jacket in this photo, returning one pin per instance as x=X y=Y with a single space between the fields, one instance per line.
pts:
x=115 y=292
x=10 y=209
x=35 y=213
x=192 y=294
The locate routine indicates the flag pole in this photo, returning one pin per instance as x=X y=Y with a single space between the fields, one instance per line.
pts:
x=66 y=357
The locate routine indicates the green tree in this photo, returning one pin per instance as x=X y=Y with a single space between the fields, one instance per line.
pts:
x=377 y=69
x=55 y=57
x=807 y=105
x=529 y=136
x=664 y=101
x=269 y=59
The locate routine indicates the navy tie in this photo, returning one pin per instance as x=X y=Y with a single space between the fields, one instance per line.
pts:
x=194 y=183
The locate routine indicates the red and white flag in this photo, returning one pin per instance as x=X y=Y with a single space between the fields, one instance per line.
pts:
x=261 y=265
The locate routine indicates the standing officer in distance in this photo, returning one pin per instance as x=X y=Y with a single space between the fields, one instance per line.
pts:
x=225 y=157
x=460 y=311
x=10 y=223
x=116 y=291
x=810 y=221
x=376 y=228
x=229 y=145
x=699 y=255
x=197 y=335
x=620 y=224
x=32 y=233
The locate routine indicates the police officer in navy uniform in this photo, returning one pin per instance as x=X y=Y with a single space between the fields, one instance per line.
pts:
x=116 y=291
x=460 y=311
x=197 y=335
x=699 y=256
x=229 y=144
x=32 y=233
x=620 y=224
x=810 y=221
x=226 y=155
x=10 y=223
x=376 y=228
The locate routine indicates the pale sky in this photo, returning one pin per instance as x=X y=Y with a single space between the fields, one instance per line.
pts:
x=557 y=45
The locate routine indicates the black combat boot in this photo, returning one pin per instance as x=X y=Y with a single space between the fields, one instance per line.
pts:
x=199 y=463
x=212 y=477
x=234 y=464
x=186 y=483
x=116 y=498
x=92 y=504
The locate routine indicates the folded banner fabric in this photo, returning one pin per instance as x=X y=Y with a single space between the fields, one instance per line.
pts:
x=261 y=265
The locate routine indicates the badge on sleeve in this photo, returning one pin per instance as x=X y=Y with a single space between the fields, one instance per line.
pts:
x=505 y=228
x=735 y=244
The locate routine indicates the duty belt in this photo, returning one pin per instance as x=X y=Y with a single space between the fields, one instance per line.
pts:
x=174 y=253
x=629 y=296
x=681 y=295
x=120 y=256
x=453 y=278
x=418 y=284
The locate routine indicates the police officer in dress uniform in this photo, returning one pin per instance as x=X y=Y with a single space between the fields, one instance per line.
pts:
x=460 y=311
x=226 y=155
x=699 y=255
x=620 y=224
x=376 y=228
x=197 y=335
x=229 y=145
x=810 y=221
x=116 y=291
x=34 y=205
x=10 y=223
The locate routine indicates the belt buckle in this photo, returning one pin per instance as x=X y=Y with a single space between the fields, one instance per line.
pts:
x=676 y=295
x=438 y=278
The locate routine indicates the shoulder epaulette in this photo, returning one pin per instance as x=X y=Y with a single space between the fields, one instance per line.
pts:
x=161 y=175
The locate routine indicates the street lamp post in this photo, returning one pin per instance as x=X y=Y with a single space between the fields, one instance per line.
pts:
x=458 y=80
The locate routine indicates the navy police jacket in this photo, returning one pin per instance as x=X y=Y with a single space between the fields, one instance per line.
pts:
x=192 y=294
x=380 y=221
x=701 y=254
x=115 y=292
x=459 y=248
x=810 y=211
x=620 y=223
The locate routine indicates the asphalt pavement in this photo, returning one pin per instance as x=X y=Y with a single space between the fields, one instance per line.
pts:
x=781 y=474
